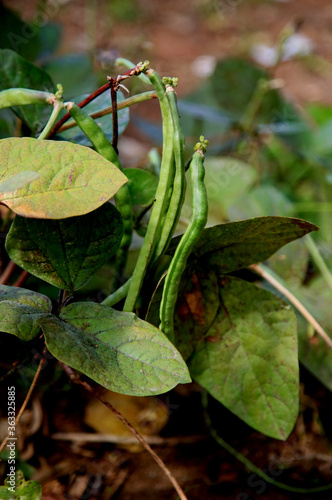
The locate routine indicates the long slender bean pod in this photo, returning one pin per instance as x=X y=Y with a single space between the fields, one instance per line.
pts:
x=21 y=97
x=178 y=192
x=160 y=205
x=122 y=198
x=187 y=242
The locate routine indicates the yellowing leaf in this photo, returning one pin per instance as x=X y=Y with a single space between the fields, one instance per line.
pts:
x=74 y=180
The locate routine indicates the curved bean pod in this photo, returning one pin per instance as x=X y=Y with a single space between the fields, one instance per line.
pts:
x=187 y=242
x=21 y=97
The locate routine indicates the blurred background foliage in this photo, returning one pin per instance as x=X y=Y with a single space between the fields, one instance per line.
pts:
x=255 y=79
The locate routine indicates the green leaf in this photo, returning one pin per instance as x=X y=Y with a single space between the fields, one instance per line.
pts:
x=236 y=245
x=248 y=358
x=263 y=200
x=74 y=71
x=196 y=307
x=23 y=490
x=19 y=311
x=105 y=122
x=18 y=180
x=74 y=180
x=66 y=252
x=314 y=354
x=118 y=350
x=16 y=34
x=17 y=72
x=25 y=297
x=228 y=176
x=142 y=185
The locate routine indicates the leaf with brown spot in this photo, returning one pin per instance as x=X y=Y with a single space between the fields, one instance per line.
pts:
x=248 y=359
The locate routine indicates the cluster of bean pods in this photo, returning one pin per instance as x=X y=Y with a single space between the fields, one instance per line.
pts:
x=169 y=195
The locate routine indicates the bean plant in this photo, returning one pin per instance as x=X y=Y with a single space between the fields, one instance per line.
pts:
x=185 y=310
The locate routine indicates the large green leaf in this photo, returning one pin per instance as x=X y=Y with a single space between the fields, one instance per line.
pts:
x=20 y=309
x=17 y=72
x=228 y=176
x=262 y=200
x=142 y=185
x=116 y=349
x=196 y=308
x=248 y=358
x=235 y=245
x=74 y=180
x=105 y=122
x=74 y=71
x=18 y=35
x=25 y=297
x=66 y=252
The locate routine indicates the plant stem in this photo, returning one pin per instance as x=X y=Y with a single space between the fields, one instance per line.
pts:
x=135 y=71
x=7 y=272
x=118 y=295
x=21 y=279
x=114 y=115
x=250 y=113
x=76 y=379
x=57 y=107
x=130 y=101
x=318 y=260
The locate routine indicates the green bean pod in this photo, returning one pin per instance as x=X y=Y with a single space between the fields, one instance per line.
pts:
x=21 y=97
x=187 y=242
x=122 y=198
x=162 y=195
x=179 y=184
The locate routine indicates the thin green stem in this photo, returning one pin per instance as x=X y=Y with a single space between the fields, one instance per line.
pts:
x=57 y=107
x=250 y=113
x=318 y=260
x=126 y=103
x=118 y=295
x=160 y=205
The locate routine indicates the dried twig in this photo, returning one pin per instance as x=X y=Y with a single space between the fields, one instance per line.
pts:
x=90 y=437
x=75 y=378
x=294 y=301
x=20 y=413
